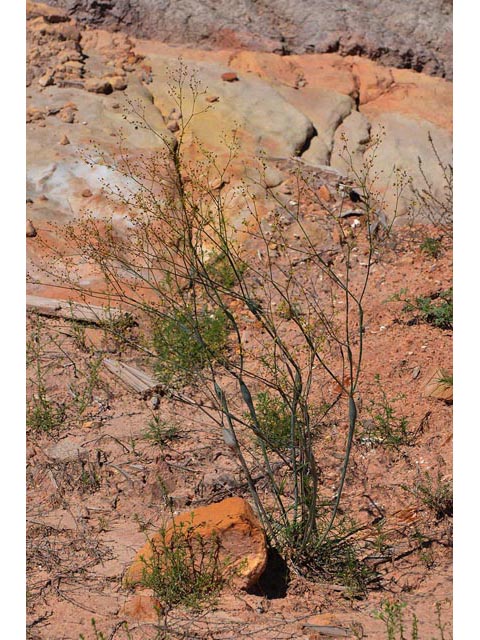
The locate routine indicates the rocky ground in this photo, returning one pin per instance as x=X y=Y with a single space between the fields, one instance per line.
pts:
x=96 y=482
x=96 y=486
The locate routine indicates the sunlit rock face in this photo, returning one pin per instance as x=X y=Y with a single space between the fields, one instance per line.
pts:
x=95 y=96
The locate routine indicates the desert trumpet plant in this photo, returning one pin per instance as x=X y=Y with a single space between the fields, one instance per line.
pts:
x=245 y=316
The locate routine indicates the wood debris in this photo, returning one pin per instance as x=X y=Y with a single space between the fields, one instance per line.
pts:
x=73 y=310
x=133 y=378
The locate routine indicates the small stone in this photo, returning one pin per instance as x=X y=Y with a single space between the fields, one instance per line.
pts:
x=43 y=197
x=155 y=401
x=47 y=79
x=67 y=115
x=31 y=231
x=115 y=105
x=98 y=85
x=324 y=193
x=416 y=373
x=173 y=126
x=212 y=98
x=64 y=140
x=34 y=114
x=118 y=83
x=74 y=65
x=229 y=76
x=86 y=193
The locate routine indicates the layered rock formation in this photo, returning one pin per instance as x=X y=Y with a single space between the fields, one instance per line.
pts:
x=410 y=34
x=84 y=83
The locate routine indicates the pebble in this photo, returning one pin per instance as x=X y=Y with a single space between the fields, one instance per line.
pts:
x=46 y=80
x=64 y=140
x=229 y=76
x=67 y=116
x=212 y=98
x=173 y=126
x=416 y=373
x=86 y=193
x=155 y=401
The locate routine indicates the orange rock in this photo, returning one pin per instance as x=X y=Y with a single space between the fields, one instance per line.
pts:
x=86 y=193
x=326 y=70
x=117 y=82
x=414 y=95
x=34 y=114
x=373 y=79
x=229 y=76
x=67 y=115
x=98 y=85
x=324 y=193
x=233 y=523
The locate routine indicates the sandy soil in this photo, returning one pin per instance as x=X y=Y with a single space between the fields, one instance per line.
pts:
x=95 y=485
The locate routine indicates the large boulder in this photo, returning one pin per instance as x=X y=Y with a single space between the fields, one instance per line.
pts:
x=264 y=120
x=326 y=109
x=231 y=522
x=404 y=142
